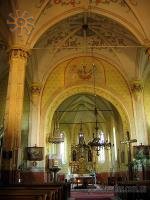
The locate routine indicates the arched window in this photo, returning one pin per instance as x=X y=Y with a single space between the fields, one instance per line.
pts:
x=115 y=143
x=63 y=150
x=101 y=157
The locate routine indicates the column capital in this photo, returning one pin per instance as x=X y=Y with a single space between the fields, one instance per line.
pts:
x=137 y=86
x=35 y=89
x=18 y=53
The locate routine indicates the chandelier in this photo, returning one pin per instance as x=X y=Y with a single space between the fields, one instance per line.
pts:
x=97 y=143
x=57 y=135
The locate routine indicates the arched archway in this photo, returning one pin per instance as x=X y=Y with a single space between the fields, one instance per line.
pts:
x=84 y=89
x=77 y=99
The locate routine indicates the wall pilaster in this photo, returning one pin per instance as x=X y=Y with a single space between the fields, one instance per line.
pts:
x=141 y=134
x=34 y=115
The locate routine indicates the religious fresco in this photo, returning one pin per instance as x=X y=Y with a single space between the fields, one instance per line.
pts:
x=73 y=3
x=101 y=32
x=81 y=72
x=20 y=22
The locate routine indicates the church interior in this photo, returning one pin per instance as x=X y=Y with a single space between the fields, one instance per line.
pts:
x=74 y=97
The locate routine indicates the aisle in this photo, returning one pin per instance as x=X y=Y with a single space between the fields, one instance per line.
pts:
x=90 y=194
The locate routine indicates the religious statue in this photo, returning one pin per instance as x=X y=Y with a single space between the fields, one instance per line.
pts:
x=89 y=155
x=74 y=155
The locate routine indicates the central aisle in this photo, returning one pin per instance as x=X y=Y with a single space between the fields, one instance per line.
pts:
x=90 y=194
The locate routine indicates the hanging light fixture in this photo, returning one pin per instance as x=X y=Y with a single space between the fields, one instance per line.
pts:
x=96 y=144
x=57 y=135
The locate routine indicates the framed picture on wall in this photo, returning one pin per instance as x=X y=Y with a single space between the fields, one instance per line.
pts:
x=35 y=153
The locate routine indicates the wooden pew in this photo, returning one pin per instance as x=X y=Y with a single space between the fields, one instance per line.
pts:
x=29 y=192
x=55 y=191
x=62 y=190
x=133 y=190
x=25 y=194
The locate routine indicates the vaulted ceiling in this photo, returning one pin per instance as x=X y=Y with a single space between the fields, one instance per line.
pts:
x=116 y=30
x=81 y=108
x=87 y=34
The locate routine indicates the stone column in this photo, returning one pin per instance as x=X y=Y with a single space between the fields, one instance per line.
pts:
x=140 y=124
x=13 y=113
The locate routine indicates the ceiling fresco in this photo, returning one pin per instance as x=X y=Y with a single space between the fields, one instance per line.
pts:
x=73 y=3
x=100 y=32
x=84 y=33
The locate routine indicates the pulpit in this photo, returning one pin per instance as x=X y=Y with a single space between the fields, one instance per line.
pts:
x=53 y=169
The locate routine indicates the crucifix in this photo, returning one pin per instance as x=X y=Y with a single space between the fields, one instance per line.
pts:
x=129 y=142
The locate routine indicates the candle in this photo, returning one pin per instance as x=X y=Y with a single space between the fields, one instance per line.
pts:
x=55 y=163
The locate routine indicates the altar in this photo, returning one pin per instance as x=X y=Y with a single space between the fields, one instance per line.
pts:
x=82 y=165
x=81 y=157
x=83 y=182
